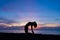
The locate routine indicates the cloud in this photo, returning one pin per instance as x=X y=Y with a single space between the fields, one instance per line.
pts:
x=50 y=25
x=10 y=23
x=5 y=25
x=3 y=20
x=6 y=22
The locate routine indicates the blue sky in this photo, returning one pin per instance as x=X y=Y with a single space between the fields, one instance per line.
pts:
x=42 y=11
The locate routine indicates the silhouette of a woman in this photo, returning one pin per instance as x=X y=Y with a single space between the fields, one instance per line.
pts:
x=30 y=24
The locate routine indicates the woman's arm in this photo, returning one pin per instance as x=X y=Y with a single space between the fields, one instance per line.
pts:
x=32 y=29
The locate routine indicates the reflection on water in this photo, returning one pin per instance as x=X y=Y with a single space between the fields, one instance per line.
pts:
x=48 y=32
x=36 y=31
x=12 y=31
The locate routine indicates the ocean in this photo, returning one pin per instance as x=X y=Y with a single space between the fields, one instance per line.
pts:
x=55 y=32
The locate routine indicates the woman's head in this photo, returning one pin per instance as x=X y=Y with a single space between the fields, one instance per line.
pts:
x=35 y=24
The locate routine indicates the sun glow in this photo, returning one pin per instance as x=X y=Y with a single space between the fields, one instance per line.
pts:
x=38 y=26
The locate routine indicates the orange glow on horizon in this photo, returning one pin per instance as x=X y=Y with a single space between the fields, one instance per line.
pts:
x=51 y=25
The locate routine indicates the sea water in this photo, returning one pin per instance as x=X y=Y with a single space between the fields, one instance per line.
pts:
x=55 y=32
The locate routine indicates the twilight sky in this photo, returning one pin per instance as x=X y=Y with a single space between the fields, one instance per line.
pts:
x=45 y=12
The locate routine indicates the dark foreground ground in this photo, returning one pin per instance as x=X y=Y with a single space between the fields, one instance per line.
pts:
x=29 y=36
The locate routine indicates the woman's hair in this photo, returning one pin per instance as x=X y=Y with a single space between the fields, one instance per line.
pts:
x=35 y=24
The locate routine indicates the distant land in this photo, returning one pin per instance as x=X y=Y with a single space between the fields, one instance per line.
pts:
x=22 y=27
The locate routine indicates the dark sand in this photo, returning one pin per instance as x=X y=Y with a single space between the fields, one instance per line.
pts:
x=29 y=36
